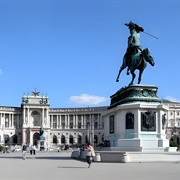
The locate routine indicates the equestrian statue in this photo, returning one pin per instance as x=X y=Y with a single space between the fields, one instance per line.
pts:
x=135 y=57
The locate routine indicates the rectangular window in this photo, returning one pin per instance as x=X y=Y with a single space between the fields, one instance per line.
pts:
x=71 y=125
x=111 y=124
x=95 y=125
x=79 y=125
x=54 y=124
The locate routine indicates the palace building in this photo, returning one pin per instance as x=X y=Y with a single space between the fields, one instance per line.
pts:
x=61 y=126
x=65 y=126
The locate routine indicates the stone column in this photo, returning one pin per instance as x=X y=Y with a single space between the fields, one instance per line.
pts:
x=76 y=121
x=175 y=121
x=158 y=118
x=9 y=120
x=137 y=121
x=0 y=119
x=98 y=116
x=82 y=123
x=43 y=117
x=85 y=122
x=24 y=116
x=100 y=122
x=66 y=123
x=57 y=123
x=50 y=119
x=47 y=123
x=24 y=135
x=28 y=116
x=13 y=121
x=60 y=125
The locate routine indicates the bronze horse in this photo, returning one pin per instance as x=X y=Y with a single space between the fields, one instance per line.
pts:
x=138 y=61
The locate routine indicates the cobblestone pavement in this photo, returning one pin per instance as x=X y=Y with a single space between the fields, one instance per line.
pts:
x=54 y=165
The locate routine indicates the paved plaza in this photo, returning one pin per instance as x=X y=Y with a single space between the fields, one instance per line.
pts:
x=56 y=166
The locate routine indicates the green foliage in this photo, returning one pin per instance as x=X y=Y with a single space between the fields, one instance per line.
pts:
x=173 y=143
x=1 y=148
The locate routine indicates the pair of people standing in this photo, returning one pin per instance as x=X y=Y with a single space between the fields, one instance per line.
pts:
x=32 y=150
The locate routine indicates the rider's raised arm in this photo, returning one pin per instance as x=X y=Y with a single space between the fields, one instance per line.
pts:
x=138 y=28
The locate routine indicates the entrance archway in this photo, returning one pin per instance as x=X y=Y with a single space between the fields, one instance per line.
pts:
x=35 y=138
x=14 y=139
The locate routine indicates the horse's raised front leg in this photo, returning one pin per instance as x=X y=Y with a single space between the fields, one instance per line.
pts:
x=120 y=70
x=133 y=77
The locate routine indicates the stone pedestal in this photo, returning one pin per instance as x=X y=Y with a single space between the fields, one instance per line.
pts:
x=134 y=93
x=41 y=145
x=135 y=120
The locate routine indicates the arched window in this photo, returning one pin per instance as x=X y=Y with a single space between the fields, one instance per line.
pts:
x=55 y=141
x=87 y=139
x=71 y=139
x=79 y=139
x=36 y=118
x=63 y=140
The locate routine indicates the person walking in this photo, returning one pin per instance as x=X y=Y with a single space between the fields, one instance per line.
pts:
x=90 y=154
x=24 y=151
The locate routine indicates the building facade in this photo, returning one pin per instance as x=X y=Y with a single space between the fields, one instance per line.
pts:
x=64 y=126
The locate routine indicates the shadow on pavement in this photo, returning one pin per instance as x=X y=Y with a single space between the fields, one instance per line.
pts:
x=70 y=167
x=37 y=157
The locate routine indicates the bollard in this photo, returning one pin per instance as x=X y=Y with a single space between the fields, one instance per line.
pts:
x=125 y=157
x=98 y=157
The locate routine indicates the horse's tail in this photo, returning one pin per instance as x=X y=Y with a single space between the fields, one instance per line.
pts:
x=146 y=51
x=147 y=56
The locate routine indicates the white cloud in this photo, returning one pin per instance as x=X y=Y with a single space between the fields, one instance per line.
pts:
x=1 y=71
x=86 y=99
x=170 y=98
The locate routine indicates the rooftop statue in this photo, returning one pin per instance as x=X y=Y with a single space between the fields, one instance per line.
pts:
x=135 y=57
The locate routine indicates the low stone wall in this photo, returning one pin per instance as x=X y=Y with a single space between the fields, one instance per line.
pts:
x=83 y=154
x=125 y=157
x=103 y=156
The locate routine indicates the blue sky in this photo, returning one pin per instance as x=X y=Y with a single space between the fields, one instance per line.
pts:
x=71 y=50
